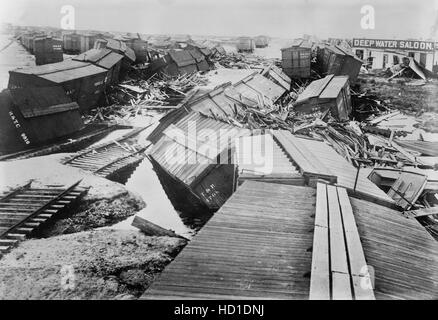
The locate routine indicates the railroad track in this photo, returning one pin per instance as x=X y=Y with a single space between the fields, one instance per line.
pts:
x=24 y=209
x=106 y=159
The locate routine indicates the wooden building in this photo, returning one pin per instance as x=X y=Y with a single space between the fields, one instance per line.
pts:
x=82 y=82
x=331 y=92
x=296 y=59
x=338 y=61
x=34 y=116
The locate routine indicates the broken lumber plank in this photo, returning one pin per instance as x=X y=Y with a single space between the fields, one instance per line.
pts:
x=423 y=212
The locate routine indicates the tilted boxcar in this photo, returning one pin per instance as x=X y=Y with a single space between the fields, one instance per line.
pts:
x=33 y=116
x=140 y=48
x=245 y=44
x=106 y=59
x=47 y=50
x=82 y=82
x=296 y=59
x=174 y=63
x=331 y=92
x=117 y=46
x=336 y=60
x=201 y=172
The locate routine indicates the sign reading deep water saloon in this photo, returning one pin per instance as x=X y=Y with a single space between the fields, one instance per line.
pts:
x=411 y=45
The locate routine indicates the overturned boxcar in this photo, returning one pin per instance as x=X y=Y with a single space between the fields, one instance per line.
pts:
x=31 y=117
x=106 y=59
x=83 y=82
x=339 y=62
x=331 y=92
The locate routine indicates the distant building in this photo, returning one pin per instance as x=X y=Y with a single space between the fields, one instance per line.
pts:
x=381 y=54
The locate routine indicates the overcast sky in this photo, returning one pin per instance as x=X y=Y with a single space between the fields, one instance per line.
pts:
x=281 y=18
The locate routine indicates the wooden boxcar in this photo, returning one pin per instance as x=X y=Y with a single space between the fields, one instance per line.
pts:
x=106 y=59
x=83 y=82
x=296 y=59
x=205 y=168
x=261 y=41
x=33 y=116
x=47 y=50
x=174 y=63
x=331 y=92
x=71 y=43
x=336 y=60
x=140 y=48
x=117 y=46
x=245 y=44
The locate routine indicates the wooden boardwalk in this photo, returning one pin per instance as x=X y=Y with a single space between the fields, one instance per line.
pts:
x=257 y=246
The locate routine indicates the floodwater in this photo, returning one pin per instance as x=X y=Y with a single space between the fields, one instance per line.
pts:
x=145 y=183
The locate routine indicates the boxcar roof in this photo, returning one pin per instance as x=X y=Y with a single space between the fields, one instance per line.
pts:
x=102 y=57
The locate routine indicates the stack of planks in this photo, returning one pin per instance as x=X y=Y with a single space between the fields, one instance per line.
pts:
x=339 y=270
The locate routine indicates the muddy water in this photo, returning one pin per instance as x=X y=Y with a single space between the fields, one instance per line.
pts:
x=145 y=182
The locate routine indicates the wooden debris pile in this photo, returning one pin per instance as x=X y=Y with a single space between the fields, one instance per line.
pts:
x=134 y=97
x=241 y=61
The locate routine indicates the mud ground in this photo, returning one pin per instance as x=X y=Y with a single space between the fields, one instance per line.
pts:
x=99 y=264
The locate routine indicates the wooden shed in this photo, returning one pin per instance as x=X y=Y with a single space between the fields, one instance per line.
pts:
x=296 y=59
x=245 y=44
x=331 y=92
x=82 y=82
x=106 y=59
x=338 y=61
x=33 y=116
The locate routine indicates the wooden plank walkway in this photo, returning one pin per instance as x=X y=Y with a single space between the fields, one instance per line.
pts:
x=317 y=160
x=339 y=269
x=257 y=246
